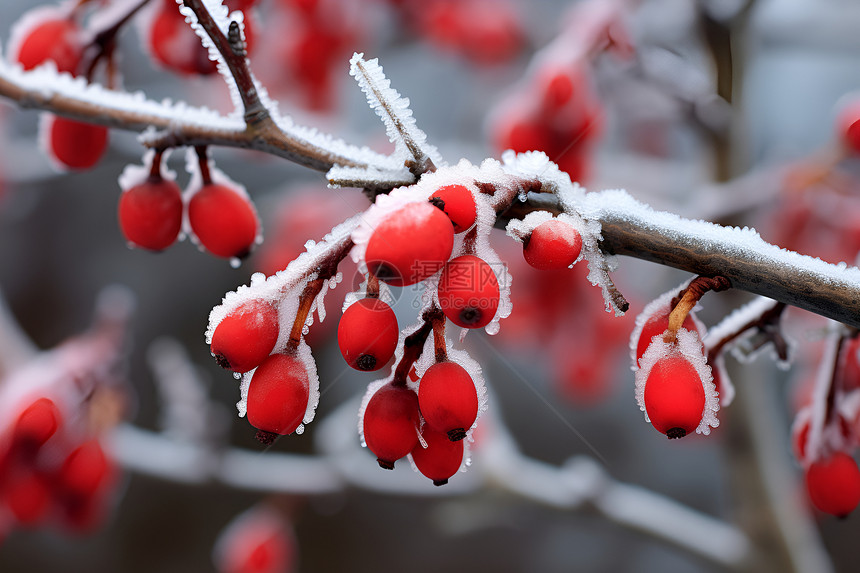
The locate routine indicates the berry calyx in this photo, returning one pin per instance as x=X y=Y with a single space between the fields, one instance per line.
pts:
x=834 y=484
x=457 y=202
x=553 y=245
x=223 y=220
x=278 y=395
x=448 y=399
x=469 y=292
x=75 y=144
x=246 y=336
x=57 y=39
x=674 y=396
x=367 y=334
x=36 y=424
x=150 y=213
x=440 y=459
x=410 y=245
x=390 y=424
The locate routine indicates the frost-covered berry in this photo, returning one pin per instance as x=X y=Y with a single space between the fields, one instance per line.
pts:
x=390 y=424
x=448 y=399
x=552 y=245
x=656 y=324
x=246 y=336
x=278 y=395
x=469 y=292
x=150 y=213
x=57 y=39
x=410 y=245
x=84 y=471
x=440 y=459
x=458 y=203
x=223 y=220
x=36 y=424
x=367 y=334
x=674 y=396
x=834 y=484
x=75 y=144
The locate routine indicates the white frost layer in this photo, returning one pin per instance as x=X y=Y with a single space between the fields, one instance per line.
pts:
x=659 y=304
x=689 y=347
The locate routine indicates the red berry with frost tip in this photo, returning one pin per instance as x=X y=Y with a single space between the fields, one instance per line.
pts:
x=656 y=324
x=469 y=292
x=84 y=472
x=75 y=144
x=410 y=245
x=57 y=39
x=440 y=459
x=223 y=220
x=36 y=424
x=367 y=334
x=448 y=399
x=674 y=397
x=278 y=395
x=246 y=336
x=553 y=245
x=150 y=213
x=390 y=424
x=834 y=484
x=458 y=203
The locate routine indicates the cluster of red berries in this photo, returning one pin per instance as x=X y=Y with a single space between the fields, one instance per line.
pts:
x=55 y=35
x=220 y=215
x=49 y=470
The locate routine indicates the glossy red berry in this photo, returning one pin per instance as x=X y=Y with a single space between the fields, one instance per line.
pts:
x=75 y=144
x=410 y=245
x=448 y=399
x=246 y=336
x=458 y=203
x=278 y=395
x=36 y=424
x=150 y=213
x=553 y=245
x=834 y=484
x=469 y=292
x=223 y=220
x=390 y=424
x=674 y=397
x=367 y=334
x=85 y=471
x=440 y=459
x=57 y=39
x=656 y=324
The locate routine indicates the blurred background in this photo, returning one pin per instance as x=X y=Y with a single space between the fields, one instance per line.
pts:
x=658 y=114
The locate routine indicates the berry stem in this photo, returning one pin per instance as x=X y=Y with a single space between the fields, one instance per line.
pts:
x=767 y=322
x=310 y=292
x=691 y=295
x=412 y=348
x=203 y=161
x=155 y=169
x=104 y=41
x=437 y=319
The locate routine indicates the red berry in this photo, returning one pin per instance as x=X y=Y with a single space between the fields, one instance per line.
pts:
x=848 y=125
x=367 y=334
x=223 y=220
x=85 y=470
x=246 y=336
x=150 y=213
x=278 y=395
x=440 y=459
x=469 y=292
x=57 y=39
x=834 y=484
x=448 y=399
x=525 y=135
x=674 y=397
x=36 y=424
x=656 y=324
x=553 y=245
x=390 y=424
x=799 y=439
x=256 y=542
x=410 y=245
x=28 y=497
x=75 y=144
x=174 y=44
x=458 y=203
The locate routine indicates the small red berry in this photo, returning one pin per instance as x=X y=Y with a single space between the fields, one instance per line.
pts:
x=674 y=397
x=278 y=395
x=57 y=39
x=390 y=424
x=410 y=245
x=525 y=135
x=36 y=424
x=85 y=470
x=448 y=399
x=223 y=220
x=553 y=245
x=469 y=292
x=458 y=203
x=440 y=459
x=367 y=334
x=150 y=213
x=834 y=484
x=28 y=497
x=75 y=144
x=246 y=336
x=256 y=542
x=174 y=45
